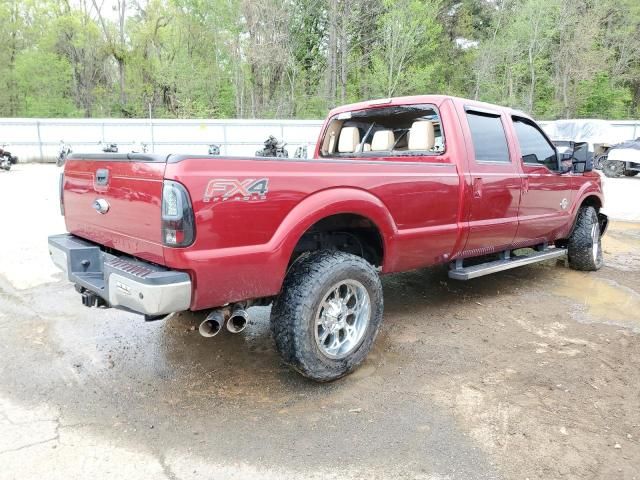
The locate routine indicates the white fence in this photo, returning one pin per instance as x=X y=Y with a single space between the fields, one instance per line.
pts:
x=39 y=139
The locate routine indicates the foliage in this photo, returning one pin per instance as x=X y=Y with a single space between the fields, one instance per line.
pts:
x=298 y=58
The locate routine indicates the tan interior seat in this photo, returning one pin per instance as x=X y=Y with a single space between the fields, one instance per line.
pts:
x=349 y=140
x=366 y=147
x=422 y=136
x=383 y=140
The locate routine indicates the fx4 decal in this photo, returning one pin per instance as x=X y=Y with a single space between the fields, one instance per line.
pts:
x=223 y=189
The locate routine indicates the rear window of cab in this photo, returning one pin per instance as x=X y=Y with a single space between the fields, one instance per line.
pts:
x=399 y=130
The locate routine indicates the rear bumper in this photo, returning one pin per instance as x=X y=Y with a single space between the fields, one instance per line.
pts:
x=118 y=280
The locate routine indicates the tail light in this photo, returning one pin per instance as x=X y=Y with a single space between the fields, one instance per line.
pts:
x=61 y=192
x=178 y=225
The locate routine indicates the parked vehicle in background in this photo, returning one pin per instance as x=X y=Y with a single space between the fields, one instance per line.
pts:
x=214 y=149
x=110 y=147
x=273 y=148
x=599 y=135
x=623 y=159
x=301 y=152
x=137 y=148
x=7 y=159
x=63 y=152
x=393 y=185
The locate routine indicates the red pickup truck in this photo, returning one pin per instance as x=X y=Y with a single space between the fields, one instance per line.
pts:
x=393 y=185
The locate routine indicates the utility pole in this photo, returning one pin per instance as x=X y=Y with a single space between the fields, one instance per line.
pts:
x=153 y=147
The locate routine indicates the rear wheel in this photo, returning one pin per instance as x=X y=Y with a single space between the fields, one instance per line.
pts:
x=327 y=317
x=613 y=168
x=585 y=244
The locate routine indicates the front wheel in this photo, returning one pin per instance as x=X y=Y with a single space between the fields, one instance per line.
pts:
x=613 y=168
x=327 y=317
x=585 y=243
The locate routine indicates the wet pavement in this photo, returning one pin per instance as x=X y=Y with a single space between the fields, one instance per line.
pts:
x=530 y=373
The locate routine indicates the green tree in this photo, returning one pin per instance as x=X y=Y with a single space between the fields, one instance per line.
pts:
x=405 y=60
x=298 y=58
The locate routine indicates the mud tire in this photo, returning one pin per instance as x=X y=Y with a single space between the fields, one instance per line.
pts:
x=293 y=315
x=613 y=168
x=586 y=234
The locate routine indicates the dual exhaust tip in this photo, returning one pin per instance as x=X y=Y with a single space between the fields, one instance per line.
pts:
x=216 y=321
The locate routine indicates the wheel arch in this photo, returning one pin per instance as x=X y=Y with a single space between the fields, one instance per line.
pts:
x=347 y=232
x=591 y=200
x=358 y=213
x=589 y=194
x=588 y=199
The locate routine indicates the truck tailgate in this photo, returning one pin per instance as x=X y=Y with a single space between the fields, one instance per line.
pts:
x=114 y=200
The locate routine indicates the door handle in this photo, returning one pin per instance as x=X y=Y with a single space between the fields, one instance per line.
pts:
x=525 y=184
x=477 y=187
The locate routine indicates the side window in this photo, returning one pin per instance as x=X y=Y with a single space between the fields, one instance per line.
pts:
x=534 y=146
x=489 y=139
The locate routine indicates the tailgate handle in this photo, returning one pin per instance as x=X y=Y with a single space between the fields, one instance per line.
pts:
x=102 y=176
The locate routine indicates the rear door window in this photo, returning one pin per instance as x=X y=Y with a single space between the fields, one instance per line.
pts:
x=489 y=139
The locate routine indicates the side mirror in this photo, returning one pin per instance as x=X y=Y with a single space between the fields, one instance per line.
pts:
x=565 y=159
x=574 y=156
x=582 y=161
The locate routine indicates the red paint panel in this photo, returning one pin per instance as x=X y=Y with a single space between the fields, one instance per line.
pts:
x=493 y=191
x=541 y=213
x=133 y=191
x=243 y=246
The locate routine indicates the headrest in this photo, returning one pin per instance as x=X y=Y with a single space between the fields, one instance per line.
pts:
x=422 y=136
x=349 y=139
x=382 y=140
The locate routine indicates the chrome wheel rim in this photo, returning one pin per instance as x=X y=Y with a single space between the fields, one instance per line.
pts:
x=342 y=319
x=595 y=244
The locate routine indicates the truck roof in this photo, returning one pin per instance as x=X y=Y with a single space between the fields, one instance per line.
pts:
x=418 y=99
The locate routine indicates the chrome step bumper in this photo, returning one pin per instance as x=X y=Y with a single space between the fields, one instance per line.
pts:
x=458 y=272
x=118 y=280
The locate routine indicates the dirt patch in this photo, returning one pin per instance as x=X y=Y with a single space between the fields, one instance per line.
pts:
x=544 y=367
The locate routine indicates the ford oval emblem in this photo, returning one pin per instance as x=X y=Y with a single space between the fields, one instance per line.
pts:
x=101 y=205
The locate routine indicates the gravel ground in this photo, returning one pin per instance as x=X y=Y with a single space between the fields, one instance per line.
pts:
x=530 y=373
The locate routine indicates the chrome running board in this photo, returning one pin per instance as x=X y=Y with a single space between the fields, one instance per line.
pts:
x=460 y=272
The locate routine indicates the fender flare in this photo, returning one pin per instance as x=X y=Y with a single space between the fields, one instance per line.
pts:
x=329 y=202
x=588 y=189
